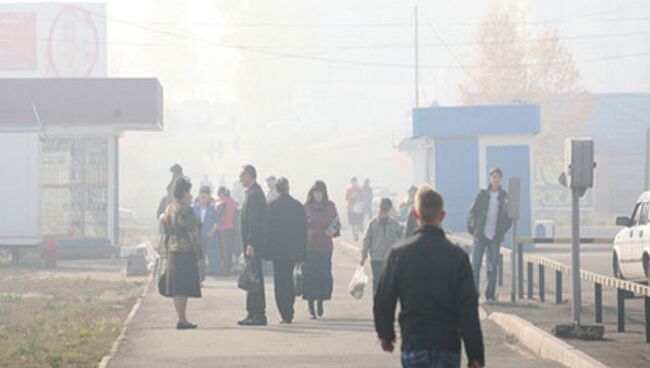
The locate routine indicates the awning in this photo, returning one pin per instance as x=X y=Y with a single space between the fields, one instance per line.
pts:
x=117 y=103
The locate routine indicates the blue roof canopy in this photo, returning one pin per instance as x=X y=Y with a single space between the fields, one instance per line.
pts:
x=476 y=120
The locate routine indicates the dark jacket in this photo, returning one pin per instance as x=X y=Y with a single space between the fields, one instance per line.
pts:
x=253 y=220
x=478 y=215
x=432 y=278
x=287 y=230
x=411 y=223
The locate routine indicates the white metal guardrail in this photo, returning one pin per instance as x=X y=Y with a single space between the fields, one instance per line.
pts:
x=624 y=289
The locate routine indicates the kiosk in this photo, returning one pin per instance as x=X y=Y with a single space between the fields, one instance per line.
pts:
x=59 y=158
x=457 y=146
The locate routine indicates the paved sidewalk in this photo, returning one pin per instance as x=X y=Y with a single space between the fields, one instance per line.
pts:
x=343 y=338
x=627 y=349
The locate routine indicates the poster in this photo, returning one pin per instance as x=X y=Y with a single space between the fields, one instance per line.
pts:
x=51 y=40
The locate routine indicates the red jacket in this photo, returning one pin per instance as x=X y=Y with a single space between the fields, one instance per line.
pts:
x=352 y=196
x=226 y=209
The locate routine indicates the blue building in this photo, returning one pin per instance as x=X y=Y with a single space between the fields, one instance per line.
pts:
x=453 y=148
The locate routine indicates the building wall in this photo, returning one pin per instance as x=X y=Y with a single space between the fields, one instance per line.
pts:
x=457 y=177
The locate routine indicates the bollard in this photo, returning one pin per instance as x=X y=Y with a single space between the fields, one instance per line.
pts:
x=620 y=308
x=500 y=270
x=530 y=280
x=520 y=270
x=598 y=296
x=646 y=305
x=558 y=287
x=542 y=292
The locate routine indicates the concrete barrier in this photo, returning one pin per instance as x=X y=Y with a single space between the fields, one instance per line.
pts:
x=542 y=343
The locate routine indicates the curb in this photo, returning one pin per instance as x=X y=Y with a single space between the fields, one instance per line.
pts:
x=543 y=344
x=111 y=353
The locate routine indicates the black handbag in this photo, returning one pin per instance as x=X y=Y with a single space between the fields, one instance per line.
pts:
x=162 y=284
x=249 y=280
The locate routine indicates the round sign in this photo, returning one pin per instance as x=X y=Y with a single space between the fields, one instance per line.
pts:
x=73 y=44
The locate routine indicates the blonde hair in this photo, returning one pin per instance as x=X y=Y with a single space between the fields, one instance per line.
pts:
x=428 y=203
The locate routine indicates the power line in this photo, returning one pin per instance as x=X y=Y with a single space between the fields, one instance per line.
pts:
x=376 y=25
x=267 y=52
x=373 y=46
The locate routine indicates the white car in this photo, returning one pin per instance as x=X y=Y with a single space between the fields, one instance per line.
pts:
x=631 y=258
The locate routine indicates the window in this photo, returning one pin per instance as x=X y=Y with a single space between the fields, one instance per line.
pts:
x=643 y=216
x=635 y=214
x=75 y=188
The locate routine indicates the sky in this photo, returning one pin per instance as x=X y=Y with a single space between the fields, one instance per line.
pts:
x=323 y=89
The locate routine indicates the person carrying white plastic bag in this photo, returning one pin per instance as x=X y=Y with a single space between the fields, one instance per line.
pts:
x=358 y=282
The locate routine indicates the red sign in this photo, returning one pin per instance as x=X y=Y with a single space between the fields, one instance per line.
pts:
x=17 y=41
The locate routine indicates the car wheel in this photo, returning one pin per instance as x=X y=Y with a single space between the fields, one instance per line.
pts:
x=615 y=267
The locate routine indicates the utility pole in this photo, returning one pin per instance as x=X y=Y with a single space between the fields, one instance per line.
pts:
x=417 y=60
x=428 y=149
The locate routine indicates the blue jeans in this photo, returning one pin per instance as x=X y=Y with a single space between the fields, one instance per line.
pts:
x=480 y=246
x=430 y=359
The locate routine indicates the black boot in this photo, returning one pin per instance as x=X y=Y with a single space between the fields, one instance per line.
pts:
x=320 y=308
x=312 y=312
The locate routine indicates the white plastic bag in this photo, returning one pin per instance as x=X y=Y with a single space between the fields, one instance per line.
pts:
x=358 y=282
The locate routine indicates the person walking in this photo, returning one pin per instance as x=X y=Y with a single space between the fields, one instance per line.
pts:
x=322 y=226
x=406 y=212
x=432 y=279
x=382 y=233
x=253 y=230
x=287 y=243
x=355 y=207
x=488 y=222
x=226 y=208
x=368 y=196
x=183 y=251
x=206 y=212
x=272 y=193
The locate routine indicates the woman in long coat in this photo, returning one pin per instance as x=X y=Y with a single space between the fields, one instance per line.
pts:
x=183 y=249
x=322 y=225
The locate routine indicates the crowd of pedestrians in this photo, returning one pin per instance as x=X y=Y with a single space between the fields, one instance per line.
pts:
x=411 y=260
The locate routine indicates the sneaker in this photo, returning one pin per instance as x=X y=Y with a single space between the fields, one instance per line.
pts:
x=186 y=326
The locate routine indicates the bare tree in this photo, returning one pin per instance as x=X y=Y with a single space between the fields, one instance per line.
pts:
x=514 y=68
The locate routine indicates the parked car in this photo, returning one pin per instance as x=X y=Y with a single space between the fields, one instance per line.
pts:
x=631 y=253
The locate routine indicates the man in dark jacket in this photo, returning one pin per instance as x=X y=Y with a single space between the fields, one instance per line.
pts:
x=287 y=244
x=488 y=222
x=253 y=229
x=432 y=279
